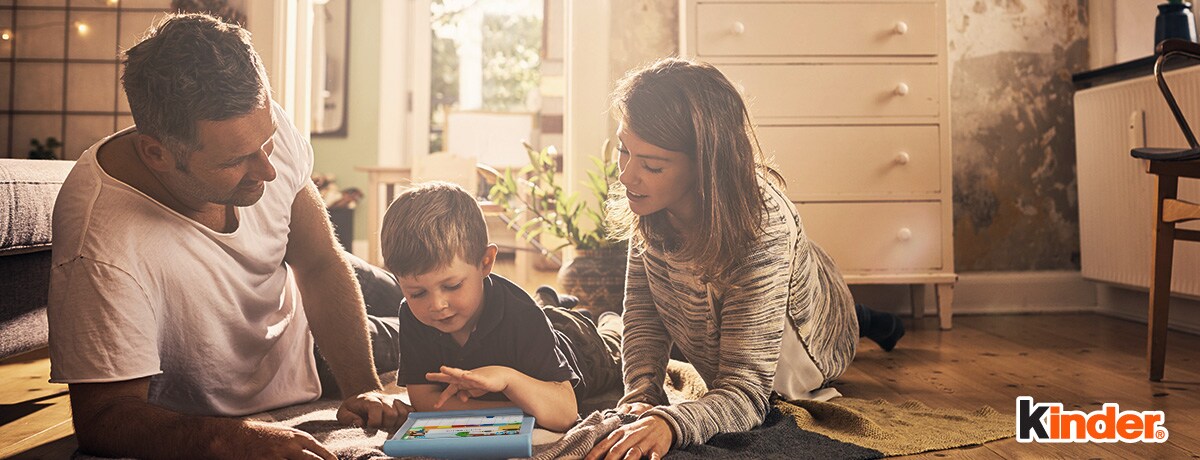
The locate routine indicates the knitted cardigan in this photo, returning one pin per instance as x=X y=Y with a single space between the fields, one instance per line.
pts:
x=787 y=284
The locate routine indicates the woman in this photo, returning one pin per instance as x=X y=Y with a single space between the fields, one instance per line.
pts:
x=719 y=266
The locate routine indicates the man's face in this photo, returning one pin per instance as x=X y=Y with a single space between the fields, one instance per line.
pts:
x=232 y=166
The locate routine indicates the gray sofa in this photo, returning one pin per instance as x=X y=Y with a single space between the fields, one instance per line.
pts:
x=28 y=189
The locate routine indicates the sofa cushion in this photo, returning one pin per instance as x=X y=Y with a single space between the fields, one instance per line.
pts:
x=27 y=190
x=24 y=287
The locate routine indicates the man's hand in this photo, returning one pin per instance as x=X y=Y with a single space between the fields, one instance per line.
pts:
x=264 y=440
x=649 y=437
x=470 y=384
x=374 y=411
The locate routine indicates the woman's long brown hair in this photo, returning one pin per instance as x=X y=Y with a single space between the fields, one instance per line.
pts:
x=690 y=107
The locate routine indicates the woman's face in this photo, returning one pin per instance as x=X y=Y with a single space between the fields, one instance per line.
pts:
x=656 y=179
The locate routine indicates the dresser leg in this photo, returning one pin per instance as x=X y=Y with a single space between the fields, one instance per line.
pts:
x=916 y=294
x=945 y=304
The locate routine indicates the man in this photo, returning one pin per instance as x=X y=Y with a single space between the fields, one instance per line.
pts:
x=192 y=257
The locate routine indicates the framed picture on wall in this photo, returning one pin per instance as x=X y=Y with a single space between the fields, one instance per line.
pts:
x=331 y=67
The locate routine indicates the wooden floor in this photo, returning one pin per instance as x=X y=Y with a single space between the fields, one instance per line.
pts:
x=1081 y=361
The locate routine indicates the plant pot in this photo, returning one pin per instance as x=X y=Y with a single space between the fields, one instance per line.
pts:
x=597 y=277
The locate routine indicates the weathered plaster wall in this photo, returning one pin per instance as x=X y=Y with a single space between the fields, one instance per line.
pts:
x=642 y=31
x=1011 y=108
x=1015 y=205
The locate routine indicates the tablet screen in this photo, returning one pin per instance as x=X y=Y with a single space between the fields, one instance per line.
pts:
x=465 y=427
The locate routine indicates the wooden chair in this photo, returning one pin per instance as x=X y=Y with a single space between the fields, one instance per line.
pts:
x=1168 y=165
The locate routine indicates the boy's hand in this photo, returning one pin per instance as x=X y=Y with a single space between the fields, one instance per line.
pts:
x=470 y=384
x=374 y=411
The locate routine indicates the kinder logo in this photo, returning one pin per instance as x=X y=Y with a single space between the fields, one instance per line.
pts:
x=1048 y=422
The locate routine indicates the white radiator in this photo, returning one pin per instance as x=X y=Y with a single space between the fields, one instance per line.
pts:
x=1116 y=195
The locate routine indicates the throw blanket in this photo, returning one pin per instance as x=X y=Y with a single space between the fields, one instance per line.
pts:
x=842 y=428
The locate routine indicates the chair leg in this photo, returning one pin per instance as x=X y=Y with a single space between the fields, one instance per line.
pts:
x=1160 y=281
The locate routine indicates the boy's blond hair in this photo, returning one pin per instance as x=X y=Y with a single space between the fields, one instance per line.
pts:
x=430 y=224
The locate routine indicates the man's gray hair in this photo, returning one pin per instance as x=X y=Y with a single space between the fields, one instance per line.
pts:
x=188 y=68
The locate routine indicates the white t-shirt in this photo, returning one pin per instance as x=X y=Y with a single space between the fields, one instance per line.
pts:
x=214 y=319
x=797 y=375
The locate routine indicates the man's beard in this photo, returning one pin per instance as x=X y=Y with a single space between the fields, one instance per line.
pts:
x=194 y=189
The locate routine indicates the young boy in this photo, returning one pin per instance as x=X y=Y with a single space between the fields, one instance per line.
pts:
x=470 y=339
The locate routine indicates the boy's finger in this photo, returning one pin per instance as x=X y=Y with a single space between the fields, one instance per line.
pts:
x=474 y=378
x=455 y=372
x=450 y=391
x=439 y=377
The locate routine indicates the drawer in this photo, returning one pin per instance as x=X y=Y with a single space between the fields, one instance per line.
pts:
x=816 y=29
x=843 y=90
x=855 y=160
x=877 y=237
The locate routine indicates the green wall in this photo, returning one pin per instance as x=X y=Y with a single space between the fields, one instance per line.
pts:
x=340 y=155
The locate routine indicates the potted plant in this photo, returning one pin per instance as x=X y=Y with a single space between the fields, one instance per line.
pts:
x=45 y=151
x=534 y=200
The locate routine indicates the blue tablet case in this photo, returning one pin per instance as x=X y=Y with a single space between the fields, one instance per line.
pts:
x=485 y=433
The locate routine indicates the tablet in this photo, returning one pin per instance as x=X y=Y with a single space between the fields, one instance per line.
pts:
x=484 y=433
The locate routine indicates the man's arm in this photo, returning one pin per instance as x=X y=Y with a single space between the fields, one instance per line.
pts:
x=553 y=404
x=333 y=301
x=116 y=420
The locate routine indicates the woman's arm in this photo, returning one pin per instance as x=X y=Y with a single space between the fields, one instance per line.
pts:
x=752 y=326
x=645 y=347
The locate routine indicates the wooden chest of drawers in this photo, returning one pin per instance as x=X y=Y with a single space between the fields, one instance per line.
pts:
x=852 y=101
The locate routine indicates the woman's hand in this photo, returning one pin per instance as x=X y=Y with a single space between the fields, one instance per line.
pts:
x=634 y=408
x=650 y=437
x=469 y=384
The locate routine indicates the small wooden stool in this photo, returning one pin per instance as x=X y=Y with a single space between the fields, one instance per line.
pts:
x=1168 y=165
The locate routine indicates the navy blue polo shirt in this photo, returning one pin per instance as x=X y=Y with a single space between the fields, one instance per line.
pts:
x=512 y=331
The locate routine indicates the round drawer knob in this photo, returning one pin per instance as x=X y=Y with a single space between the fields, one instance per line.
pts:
x=901 y=28
x=902 y=158
x=904 y=234
x=738 y=28
x=902 y=89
